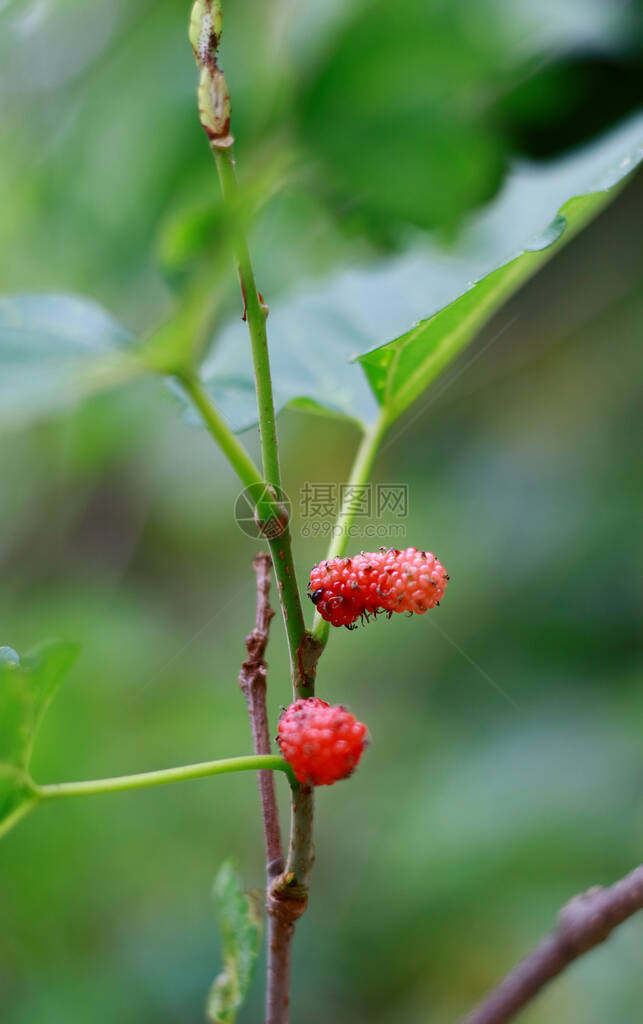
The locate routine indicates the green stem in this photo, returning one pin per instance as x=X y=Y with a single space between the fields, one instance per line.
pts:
x=201 y=770
x=256 y=314
x=303 y=653
x=227 y=441
x=364 y=458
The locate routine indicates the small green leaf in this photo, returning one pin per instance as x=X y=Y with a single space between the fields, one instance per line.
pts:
x=55 y=350
x=26 y=687
x=431 y=301
x=241 y=925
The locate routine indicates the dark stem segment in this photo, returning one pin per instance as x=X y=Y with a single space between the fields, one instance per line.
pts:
x=287 y=901
x=280 y=934
x=252 y=680
x=586 y=921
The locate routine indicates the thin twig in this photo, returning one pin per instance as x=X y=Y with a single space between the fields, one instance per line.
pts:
x=161 y=777
x=586 y=921
x=252 y=680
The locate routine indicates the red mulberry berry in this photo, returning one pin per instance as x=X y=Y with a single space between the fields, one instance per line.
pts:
x=322 y=743
x=344 y=589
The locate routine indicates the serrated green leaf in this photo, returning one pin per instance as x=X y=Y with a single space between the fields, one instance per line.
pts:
x=241 y=927
x=27 y=685
x=55 y=350
x=431 y=301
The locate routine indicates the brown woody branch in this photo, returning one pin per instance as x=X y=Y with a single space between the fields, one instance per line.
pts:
x=586 y=921
x=283 y=906
x=287 y=893
x=252 y=680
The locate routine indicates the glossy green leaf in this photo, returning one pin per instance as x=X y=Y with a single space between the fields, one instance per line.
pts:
x=333 y=341
x=55 y=350
x=27 y=685
x=240 y=921
x=539 y=208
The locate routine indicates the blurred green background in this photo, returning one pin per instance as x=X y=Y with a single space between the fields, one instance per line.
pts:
x=471 y=819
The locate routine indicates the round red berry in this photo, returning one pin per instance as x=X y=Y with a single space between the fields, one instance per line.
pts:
x=322 y=743
x=335 y=589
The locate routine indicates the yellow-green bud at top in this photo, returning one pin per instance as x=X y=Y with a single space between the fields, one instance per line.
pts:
x=214 y=105
x=205 y=30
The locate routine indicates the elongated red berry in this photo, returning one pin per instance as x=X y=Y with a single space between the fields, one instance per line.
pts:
x=345 y=589
x=322 y=743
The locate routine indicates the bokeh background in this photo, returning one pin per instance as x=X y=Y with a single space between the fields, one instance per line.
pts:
x=473 y=816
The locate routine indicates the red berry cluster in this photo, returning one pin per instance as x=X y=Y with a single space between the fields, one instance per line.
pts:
x=322 y=743
x=345 y=589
